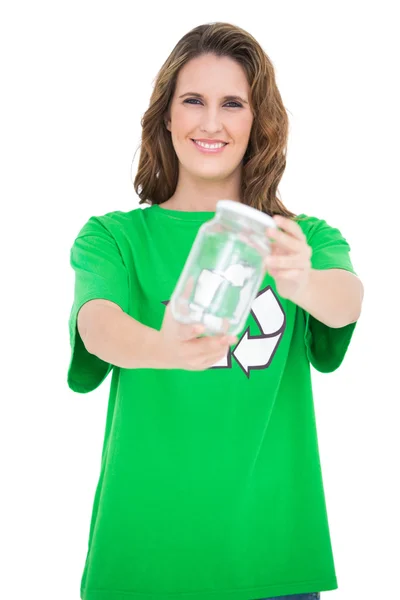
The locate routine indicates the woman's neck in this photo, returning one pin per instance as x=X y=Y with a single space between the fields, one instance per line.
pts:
x=194 y=196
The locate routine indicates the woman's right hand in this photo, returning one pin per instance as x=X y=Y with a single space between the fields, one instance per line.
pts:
x=182 y=349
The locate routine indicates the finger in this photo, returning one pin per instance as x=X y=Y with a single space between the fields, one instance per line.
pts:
x=193 y=329
x=285 y=262
x=213 y=344
x=228 y=339
x=292 y=274
x=197 y=329
x=187 y=291
x=290 y=226
x=284 y=240
x=188 y=333
x=275 y=249
x=184 y=331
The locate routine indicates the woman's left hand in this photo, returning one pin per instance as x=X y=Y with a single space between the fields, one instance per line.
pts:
x=290 y=260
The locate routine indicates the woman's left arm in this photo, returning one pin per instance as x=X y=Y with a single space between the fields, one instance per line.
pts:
x=333 y=296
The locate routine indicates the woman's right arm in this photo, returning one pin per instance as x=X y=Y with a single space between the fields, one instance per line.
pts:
x=118 y=339
x=115 y=337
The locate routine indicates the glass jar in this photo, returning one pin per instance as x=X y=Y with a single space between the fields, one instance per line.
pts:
x=224 y=270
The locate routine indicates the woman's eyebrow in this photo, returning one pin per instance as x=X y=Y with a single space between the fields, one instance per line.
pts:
x=224 y=97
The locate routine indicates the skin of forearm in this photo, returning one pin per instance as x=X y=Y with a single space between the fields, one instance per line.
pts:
x=333 y=296
x=121 y=340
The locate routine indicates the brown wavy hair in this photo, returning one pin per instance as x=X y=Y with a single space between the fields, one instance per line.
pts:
x=265 y=158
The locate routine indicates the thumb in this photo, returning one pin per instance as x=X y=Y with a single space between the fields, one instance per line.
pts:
x=197 y=329
x=189 y=332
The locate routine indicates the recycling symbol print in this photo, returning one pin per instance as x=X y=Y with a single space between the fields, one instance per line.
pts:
x=251 y=352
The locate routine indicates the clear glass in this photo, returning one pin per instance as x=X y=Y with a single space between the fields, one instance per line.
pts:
x=223 y=272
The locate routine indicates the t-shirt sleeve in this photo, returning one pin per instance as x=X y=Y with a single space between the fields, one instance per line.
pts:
x=99 y=273
x=327 y=346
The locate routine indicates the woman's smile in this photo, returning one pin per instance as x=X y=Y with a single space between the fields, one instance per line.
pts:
x=207 y=148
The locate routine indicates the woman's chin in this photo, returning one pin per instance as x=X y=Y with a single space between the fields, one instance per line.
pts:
x=210 y=174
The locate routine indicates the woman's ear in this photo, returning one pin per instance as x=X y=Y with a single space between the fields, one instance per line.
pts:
x=167 y=122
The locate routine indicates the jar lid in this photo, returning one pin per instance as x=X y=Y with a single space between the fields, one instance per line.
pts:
x=246 y=211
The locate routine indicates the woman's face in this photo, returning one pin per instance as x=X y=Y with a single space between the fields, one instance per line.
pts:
x=209 y=115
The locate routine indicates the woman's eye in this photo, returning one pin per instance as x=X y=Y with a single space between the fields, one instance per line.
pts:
x=197 y=100
x=191 y=100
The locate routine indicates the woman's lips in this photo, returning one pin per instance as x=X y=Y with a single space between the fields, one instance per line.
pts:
x=209 y=150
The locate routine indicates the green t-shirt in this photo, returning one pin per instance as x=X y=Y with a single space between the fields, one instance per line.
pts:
x=210 y=485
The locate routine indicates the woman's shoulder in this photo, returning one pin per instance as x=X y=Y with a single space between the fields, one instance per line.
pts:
x=113 y=220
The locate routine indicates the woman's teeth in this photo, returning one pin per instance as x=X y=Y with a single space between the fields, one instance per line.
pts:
x=204 y=145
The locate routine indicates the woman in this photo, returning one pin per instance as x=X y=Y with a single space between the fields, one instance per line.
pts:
x=210 y=484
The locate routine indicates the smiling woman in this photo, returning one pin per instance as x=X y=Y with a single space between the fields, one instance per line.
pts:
x=218 y=85
x=211 y=483
x=211 y=124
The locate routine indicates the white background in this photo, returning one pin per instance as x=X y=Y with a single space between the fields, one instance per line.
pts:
x=76 y=79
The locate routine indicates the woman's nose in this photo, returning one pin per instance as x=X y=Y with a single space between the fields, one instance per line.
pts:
x=211 y=120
